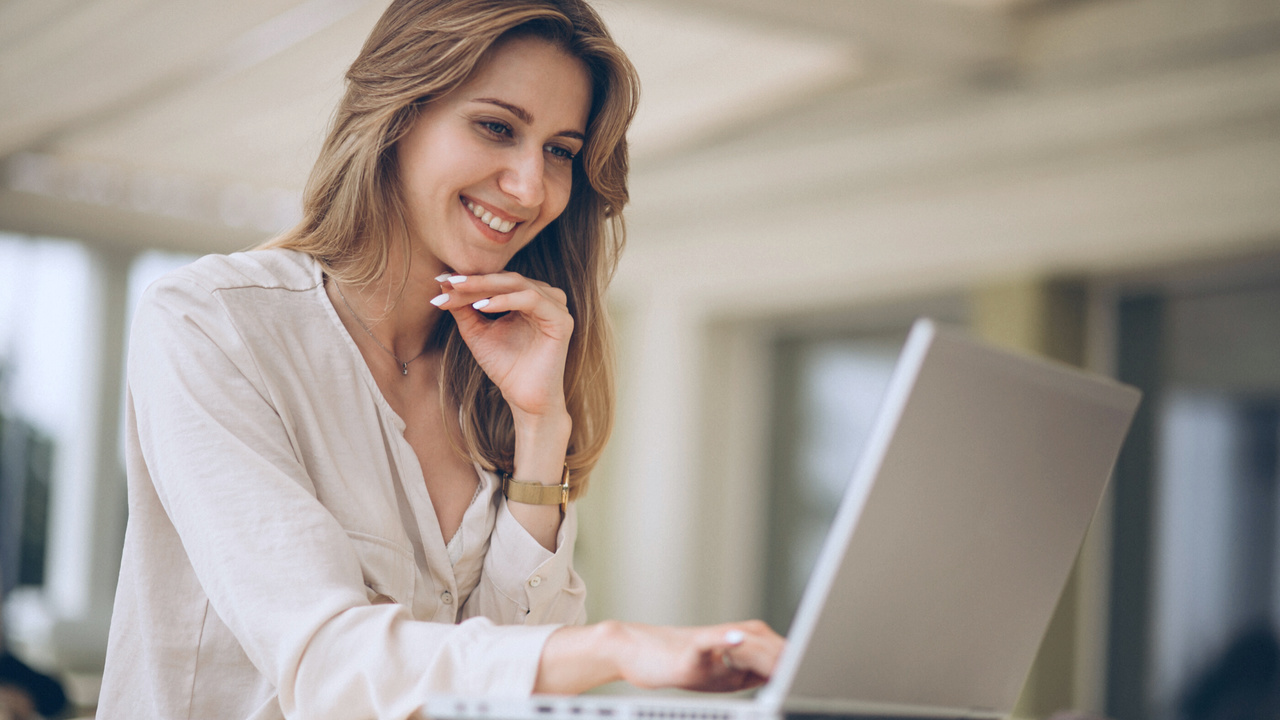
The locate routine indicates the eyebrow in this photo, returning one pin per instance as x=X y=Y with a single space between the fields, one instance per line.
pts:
x=526 y=118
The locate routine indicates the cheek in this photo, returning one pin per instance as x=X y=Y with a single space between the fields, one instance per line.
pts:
x=558 y=190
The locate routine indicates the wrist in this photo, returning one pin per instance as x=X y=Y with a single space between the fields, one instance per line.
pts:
x=541 y=445
x=578 y=658
x=542 y=425
x=614 y=640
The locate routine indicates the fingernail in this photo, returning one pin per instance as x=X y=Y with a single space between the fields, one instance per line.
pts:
x=457 y=279
x=440 y=299
x=734 y=637
x=480 y=304
x=442 y=277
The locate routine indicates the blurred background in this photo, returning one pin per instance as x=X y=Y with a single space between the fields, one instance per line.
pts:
x=1097 y=181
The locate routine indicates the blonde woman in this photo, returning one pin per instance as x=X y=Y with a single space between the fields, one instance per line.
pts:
x=353 y=454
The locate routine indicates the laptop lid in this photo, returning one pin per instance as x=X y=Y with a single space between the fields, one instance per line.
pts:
x=956 y=535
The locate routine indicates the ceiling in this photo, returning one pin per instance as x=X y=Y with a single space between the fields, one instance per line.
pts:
x=907 y=126
x=214 y=111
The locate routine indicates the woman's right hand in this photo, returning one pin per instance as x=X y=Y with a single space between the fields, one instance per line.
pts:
x=715 y=658
x=718 y=658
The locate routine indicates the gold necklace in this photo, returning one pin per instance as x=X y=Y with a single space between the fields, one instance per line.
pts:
x=404 y=364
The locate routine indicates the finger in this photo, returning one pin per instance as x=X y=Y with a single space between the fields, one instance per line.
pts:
x=454 y=299
x=498 y=283
x=732 y=639
x=712 y=638
x=531 y=303
x=751 y=647
x=758 y=656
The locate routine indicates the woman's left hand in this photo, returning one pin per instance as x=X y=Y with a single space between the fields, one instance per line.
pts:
x=523 y=352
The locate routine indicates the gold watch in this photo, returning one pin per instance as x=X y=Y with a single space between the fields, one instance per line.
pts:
x=537 y=493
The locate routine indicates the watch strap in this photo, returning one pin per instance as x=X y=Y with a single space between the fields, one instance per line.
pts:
x=537 y=493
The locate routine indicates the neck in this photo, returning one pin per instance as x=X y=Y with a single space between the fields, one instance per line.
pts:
x=396 y=308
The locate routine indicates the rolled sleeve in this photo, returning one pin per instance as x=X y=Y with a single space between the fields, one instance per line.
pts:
x=524 y=582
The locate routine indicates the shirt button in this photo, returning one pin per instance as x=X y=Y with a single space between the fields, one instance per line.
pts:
x=446 y=598
x=535 y=581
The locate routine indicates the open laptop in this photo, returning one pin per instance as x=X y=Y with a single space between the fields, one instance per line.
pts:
x=946 y=557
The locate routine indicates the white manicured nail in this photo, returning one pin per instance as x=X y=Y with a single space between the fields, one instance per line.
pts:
x=442 y=277
x=457 y=279
x=480 y=304
x=734 y=637
x=440 y=299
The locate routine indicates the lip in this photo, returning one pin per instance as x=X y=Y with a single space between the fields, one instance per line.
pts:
x=487 y=231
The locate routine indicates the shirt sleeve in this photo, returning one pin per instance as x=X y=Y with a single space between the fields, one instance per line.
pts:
x=523 y=582
x=274 y=563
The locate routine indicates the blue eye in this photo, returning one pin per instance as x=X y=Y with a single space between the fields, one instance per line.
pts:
x=560 y=153
x=497 y=128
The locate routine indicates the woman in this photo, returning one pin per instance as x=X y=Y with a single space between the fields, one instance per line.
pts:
x=353 y=454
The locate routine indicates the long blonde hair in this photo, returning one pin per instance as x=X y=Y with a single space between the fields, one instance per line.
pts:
x=420 y=51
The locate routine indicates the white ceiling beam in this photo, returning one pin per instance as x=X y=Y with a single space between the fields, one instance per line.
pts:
x=841 y=154
x=88 y=70
x=117 y=228
x=901 y=35
x=1209 y=197
x=21 y=19
x=1085 y=39
x=234 y=206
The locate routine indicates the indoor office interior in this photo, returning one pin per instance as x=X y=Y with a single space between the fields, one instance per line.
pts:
x=1095 y=181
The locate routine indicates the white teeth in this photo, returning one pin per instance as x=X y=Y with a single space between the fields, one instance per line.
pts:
x=501 y=225
x=488 y=218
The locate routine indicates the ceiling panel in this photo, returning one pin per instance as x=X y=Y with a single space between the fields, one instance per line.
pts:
x=107 y=54
x=261 y=125
x=704 y=71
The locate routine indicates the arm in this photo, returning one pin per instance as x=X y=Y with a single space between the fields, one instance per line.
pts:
x=541 y=444
x=524 y=354
x=528 y=573
x=524 y=583
x=275 y=565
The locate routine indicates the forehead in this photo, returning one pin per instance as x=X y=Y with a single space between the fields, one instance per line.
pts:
x=552 y=85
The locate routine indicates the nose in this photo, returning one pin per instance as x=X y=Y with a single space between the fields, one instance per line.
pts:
x=523 y=178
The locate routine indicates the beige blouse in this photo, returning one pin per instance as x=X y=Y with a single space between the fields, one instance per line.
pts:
x=282 y=557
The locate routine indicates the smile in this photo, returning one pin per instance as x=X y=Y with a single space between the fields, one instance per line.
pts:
x=493 y=221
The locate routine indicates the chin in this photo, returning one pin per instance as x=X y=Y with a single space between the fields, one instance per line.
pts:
x=478 y=266
x=482 y=262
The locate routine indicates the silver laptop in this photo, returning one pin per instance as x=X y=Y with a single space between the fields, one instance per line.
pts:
x=947 y=555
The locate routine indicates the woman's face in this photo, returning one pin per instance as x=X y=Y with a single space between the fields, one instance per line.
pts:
x=485 y=168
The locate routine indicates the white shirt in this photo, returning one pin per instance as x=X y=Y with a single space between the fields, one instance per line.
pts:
x=282 y=557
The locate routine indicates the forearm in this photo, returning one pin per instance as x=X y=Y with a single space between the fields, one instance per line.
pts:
x=732 y=656
x=541 y=444
x=576 y=659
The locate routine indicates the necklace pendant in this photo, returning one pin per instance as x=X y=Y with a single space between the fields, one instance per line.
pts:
x=404 y=368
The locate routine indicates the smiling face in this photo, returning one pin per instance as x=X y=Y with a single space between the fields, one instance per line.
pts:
x=485 y=168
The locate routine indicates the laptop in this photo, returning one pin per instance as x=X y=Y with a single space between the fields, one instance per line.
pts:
x=947 y=555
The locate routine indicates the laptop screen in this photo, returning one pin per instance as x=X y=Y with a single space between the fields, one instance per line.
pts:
x=956 y=534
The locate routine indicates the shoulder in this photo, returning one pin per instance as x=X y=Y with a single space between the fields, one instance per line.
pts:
x=273 y=268
x=219 y=282
x=224 y=292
